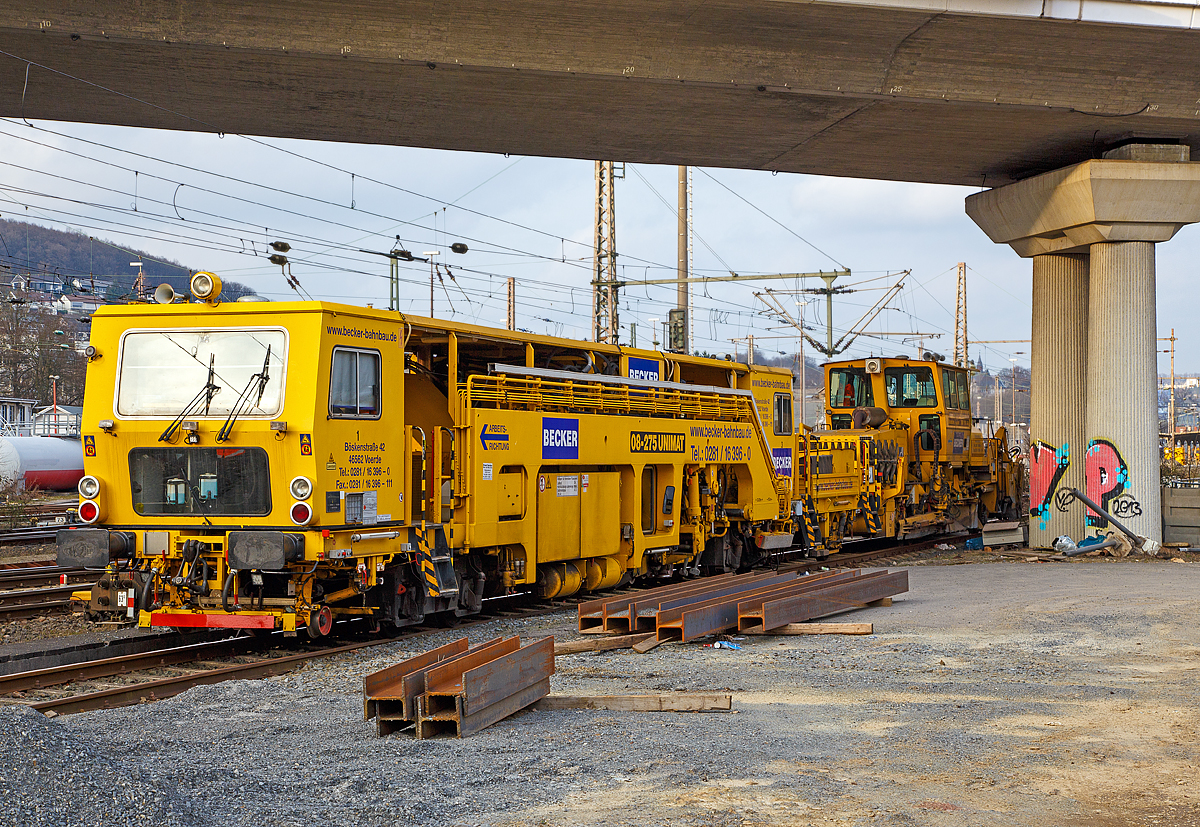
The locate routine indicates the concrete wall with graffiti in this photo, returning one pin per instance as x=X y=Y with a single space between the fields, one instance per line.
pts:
x=1106 y=482
x=1047 y=467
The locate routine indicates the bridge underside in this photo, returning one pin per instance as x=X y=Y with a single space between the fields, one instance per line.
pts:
x=798 y=87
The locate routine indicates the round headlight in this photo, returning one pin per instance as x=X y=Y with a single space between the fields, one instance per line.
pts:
x=302 y=488
x=89 y=487
x=89 y=512
x=301 y=513
x=205 y=286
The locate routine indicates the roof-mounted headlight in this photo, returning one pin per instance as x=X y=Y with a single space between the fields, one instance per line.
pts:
x=206 y=286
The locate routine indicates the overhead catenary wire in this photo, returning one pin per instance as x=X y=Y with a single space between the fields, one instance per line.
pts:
x=228 y=246
x=562 y=240
x=326 y=202
x=242 y=241
x=174 y=206
x=771 y=217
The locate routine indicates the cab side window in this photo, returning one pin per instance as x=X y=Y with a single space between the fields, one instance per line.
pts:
x=849 y=388
x=957 y=389
x=783 y=414
x=950 y=387
x=354 y=382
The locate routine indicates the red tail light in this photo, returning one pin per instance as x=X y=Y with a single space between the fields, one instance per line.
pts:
x=301 y=513
x=89 y=512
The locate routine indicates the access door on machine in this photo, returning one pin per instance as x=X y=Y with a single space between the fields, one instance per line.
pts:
x=578 y=515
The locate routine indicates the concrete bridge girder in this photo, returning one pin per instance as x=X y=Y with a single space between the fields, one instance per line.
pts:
x=839 y=89
x=1091 y=231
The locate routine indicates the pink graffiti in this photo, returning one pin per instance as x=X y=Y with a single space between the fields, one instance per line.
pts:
x=1047 y=465
x=1105 y=477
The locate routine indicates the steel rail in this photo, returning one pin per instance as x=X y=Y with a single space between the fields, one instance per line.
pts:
x=33 y=610
x=29 y=597
x=157 y=690
x=27 y=535
x=44 y=576
x=125 y=664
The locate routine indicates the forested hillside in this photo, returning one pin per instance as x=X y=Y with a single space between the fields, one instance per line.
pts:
x=30 y=249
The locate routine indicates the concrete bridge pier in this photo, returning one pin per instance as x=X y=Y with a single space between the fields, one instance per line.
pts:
x=1058 y=391
x=1090 y=230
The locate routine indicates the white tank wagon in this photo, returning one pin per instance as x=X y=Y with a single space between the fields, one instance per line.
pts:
x=47 y=463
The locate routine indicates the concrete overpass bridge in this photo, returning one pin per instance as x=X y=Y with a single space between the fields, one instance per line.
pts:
x=1081 y=114
x=916 y=90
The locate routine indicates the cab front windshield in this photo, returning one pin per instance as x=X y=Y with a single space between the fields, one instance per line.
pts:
x=910 y=387
x=850 y=388
x=162 y=371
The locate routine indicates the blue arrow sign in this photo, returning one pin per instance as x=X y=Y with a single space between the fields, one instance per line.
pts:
x=492 y=441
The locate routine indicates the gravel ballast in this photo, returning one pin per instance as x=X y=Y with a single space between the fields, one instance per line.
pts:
x=1007 y=694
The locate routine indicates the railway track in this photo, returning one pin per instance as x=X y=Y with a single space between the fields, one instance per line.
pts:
x=44 y=576
x=164 y=672
x=140 y=678
x=30 y=591
x=25 y=603
x=35 y=524
x=24 y=564
x=12 y=536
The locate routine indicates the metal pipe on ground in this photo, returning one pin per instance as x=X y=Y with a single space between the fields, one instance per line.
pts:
x=1143 y=544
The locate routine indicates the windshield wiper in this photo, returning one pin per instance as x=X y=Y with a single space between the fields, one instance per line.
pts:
x=243 y=400
x=206 y=394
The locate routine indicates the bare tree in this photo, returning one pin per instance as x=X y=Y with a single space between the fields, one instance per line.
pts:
x=36 y=344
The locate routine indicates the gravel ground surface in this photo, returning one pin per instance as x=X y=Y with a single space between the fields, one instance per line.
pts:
x=28 y=552
x=31 y=631
x=46 y=626
x=1004 y=694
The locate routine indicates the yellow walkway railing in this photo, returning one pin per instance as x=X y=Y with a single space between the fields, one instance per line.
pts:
x=536 y=393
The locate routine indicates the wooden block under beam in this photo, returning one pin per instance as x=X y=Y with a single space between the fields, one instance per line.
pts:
x=646 y=645
x=887 y=601
x=639 y=703
x=819 y=629
x=575 y=647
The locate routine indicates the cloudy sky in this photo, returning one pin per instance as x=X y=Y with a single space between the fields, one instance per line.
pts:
x=214 y=202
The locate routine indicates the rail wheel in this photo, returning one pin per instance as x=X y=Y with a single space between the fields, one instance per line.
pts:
x=320 y=623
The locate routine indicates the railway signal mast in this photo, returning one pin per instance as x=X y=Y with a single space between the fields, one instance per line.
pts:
x=679 y=316
x=604 y=257
x=960 y=318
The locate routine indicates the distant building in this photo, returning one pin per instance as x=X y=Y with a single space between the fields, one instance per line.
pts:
x=16 y=416
x=61 y=421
